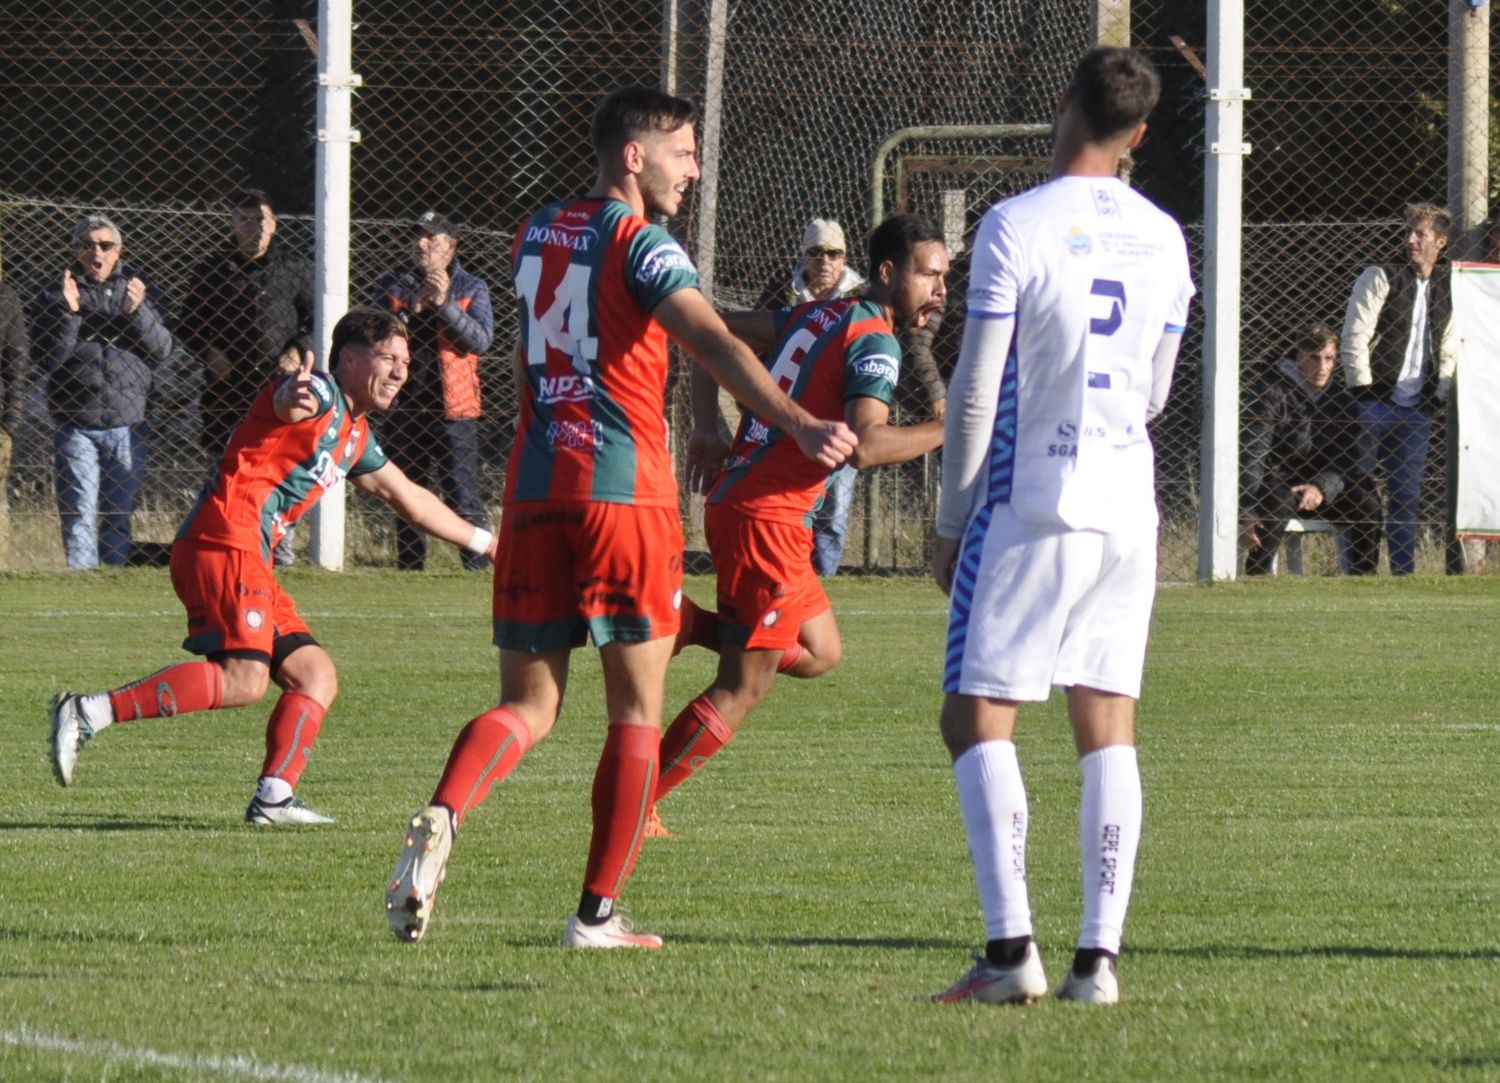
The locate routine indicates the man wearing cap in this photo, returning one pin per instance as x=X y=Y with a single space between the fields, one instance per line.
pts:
x=433 y=434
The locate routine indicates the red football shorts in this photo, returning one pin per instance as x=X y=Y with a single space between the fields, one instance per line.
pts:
x=767 y=585
x=233 y=600
x=566 y=570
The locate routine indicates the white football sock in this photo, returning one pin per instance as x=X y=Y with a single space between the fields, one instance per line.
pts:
x=1109 y=831
x=96 y=710
x=992 y=798
x=272 y=790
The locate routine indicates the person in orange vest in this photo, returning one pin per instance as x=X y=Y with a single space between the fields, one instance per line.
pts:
x=433 y=435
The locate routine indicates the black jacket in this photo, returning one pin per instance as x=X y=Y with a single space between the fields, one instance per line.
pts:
x=252 y=310
x=98 y=360
x=1292 y=437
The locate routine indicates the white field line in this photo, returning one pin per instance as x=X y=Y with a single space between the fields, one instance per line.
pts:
x=235 y=1067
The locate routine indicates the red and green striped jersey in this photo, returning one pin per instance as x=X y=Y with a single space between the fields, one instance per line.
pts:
x=272 y=472
x=588 y=273
x=826 y=353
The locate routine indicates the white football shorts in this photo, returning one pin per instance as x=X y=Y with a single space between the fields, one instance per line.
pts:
x=1036 y=606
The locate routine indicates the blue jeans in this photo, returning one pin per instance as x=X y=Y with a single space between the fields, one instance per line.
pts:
x=831 y=523
x=98 y=477
x=1397 y=438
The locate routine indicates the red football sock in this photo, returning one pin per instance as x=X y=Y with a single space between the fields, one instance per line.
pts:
x=694 y=735
x=290 y=733
x=623 y=784
x=187 y=686
x=486 y=751
x=789 y=658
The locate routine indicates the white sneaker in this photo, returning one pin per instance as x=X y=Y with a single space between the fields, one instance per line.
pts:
x=70 y=732
x=1100 y=986
x=282 y=813
x=617 y=932
x=419 y=870
x=990 y=984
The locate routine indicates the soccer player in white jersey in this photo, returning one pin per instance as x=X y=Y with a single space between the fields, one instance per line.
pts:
x=1047 y=523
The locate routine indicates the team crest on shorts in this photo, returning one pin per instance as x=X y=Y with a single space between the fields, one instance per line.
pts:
x=676 y=600
x=254 y=618
x=770 y=619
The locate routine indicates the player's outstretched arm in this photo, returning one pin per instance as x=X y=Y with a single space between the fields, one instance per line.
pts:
x=708 y=444
x=423 y=509
x=880 y=442
x=296 y=399
x=690 y=320
x=756 y=329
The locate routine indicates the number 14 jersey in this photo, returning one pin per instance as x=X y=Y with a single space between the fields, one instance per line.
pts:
x=588 y=273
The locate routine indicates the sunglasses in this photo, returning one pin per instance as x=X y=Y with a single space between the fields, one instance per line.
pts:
x=825 y=253
x=103 y=246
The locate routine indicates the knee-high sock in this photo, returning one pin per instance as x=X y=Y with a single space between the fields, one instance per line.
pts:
x=487 y=750
x=290 y=733
x=623 y=785
x=694 y=736
x=1109 y=831
x=187 y=686
x=992 y=798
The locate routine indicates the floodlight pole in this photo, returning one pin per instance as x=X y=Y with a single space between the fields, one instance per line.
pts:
x=336 y=137
x=1218 y=512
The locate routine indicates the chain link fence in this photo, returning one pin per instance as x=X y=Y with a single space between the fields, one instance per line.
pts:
x=153 y=115
x=1348 y=124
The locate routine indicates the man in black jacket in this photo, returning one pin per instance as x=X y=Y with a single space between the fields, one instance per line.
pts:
x=99 y=337
x=1301 y=457
x=248 y=316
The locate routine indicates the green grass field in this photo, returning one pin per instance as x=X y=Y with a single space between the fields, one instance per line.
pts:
x=1316 y=899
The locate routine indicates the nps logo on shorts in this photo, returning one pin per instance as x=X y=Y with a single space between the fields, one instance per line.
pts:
x=661 y=260
x=254 y=619
x=882 y=366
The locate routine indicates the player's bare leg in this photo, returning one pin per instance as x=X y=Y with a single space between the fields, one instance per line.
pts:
x=992 y=798
x=819 y=648
x=1109 y=832
x=486 y=751
x=634 y=688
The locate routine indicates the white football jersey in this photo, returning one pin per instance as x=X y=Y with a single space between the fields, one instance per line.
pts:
x=1093 y=275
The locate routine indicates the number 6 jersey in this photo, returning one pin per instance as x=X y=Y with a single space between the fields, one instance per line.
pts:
x=588 y=273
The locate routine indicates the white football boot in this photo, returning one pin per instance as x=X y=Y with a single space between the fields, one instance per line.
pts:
x=419 y=870
x=987 y=983
x=1098 y=986
x=617 y=932
x=70 y=732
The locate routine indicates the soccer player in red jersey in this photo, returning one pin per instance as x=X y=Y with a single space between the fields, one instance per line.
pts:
x=838 y=359
x=302 y=436
x=591 y=537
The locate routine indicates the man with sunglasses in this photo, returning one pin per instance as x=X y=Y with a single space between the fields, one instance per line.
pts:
x=98 y=337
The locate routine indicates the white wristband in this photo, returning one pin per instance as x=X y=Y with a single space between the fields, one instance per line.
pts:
x=480 y=542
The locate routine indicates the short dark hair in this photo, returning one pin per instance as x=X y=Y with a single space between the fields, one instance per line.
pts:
x=363 y=326
x=251 y=197
x=1315 y=336
x=634 y=111
x=1115 y=89
x=895 y=238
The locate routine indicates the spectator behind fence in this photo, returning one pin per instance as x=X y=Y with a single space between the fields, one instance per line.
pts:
x=433 y=434
x=1399 y=357
x=1301 y=457
x=99 y=337
x=823 y=274
x=14 y=360
x=248 y=317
